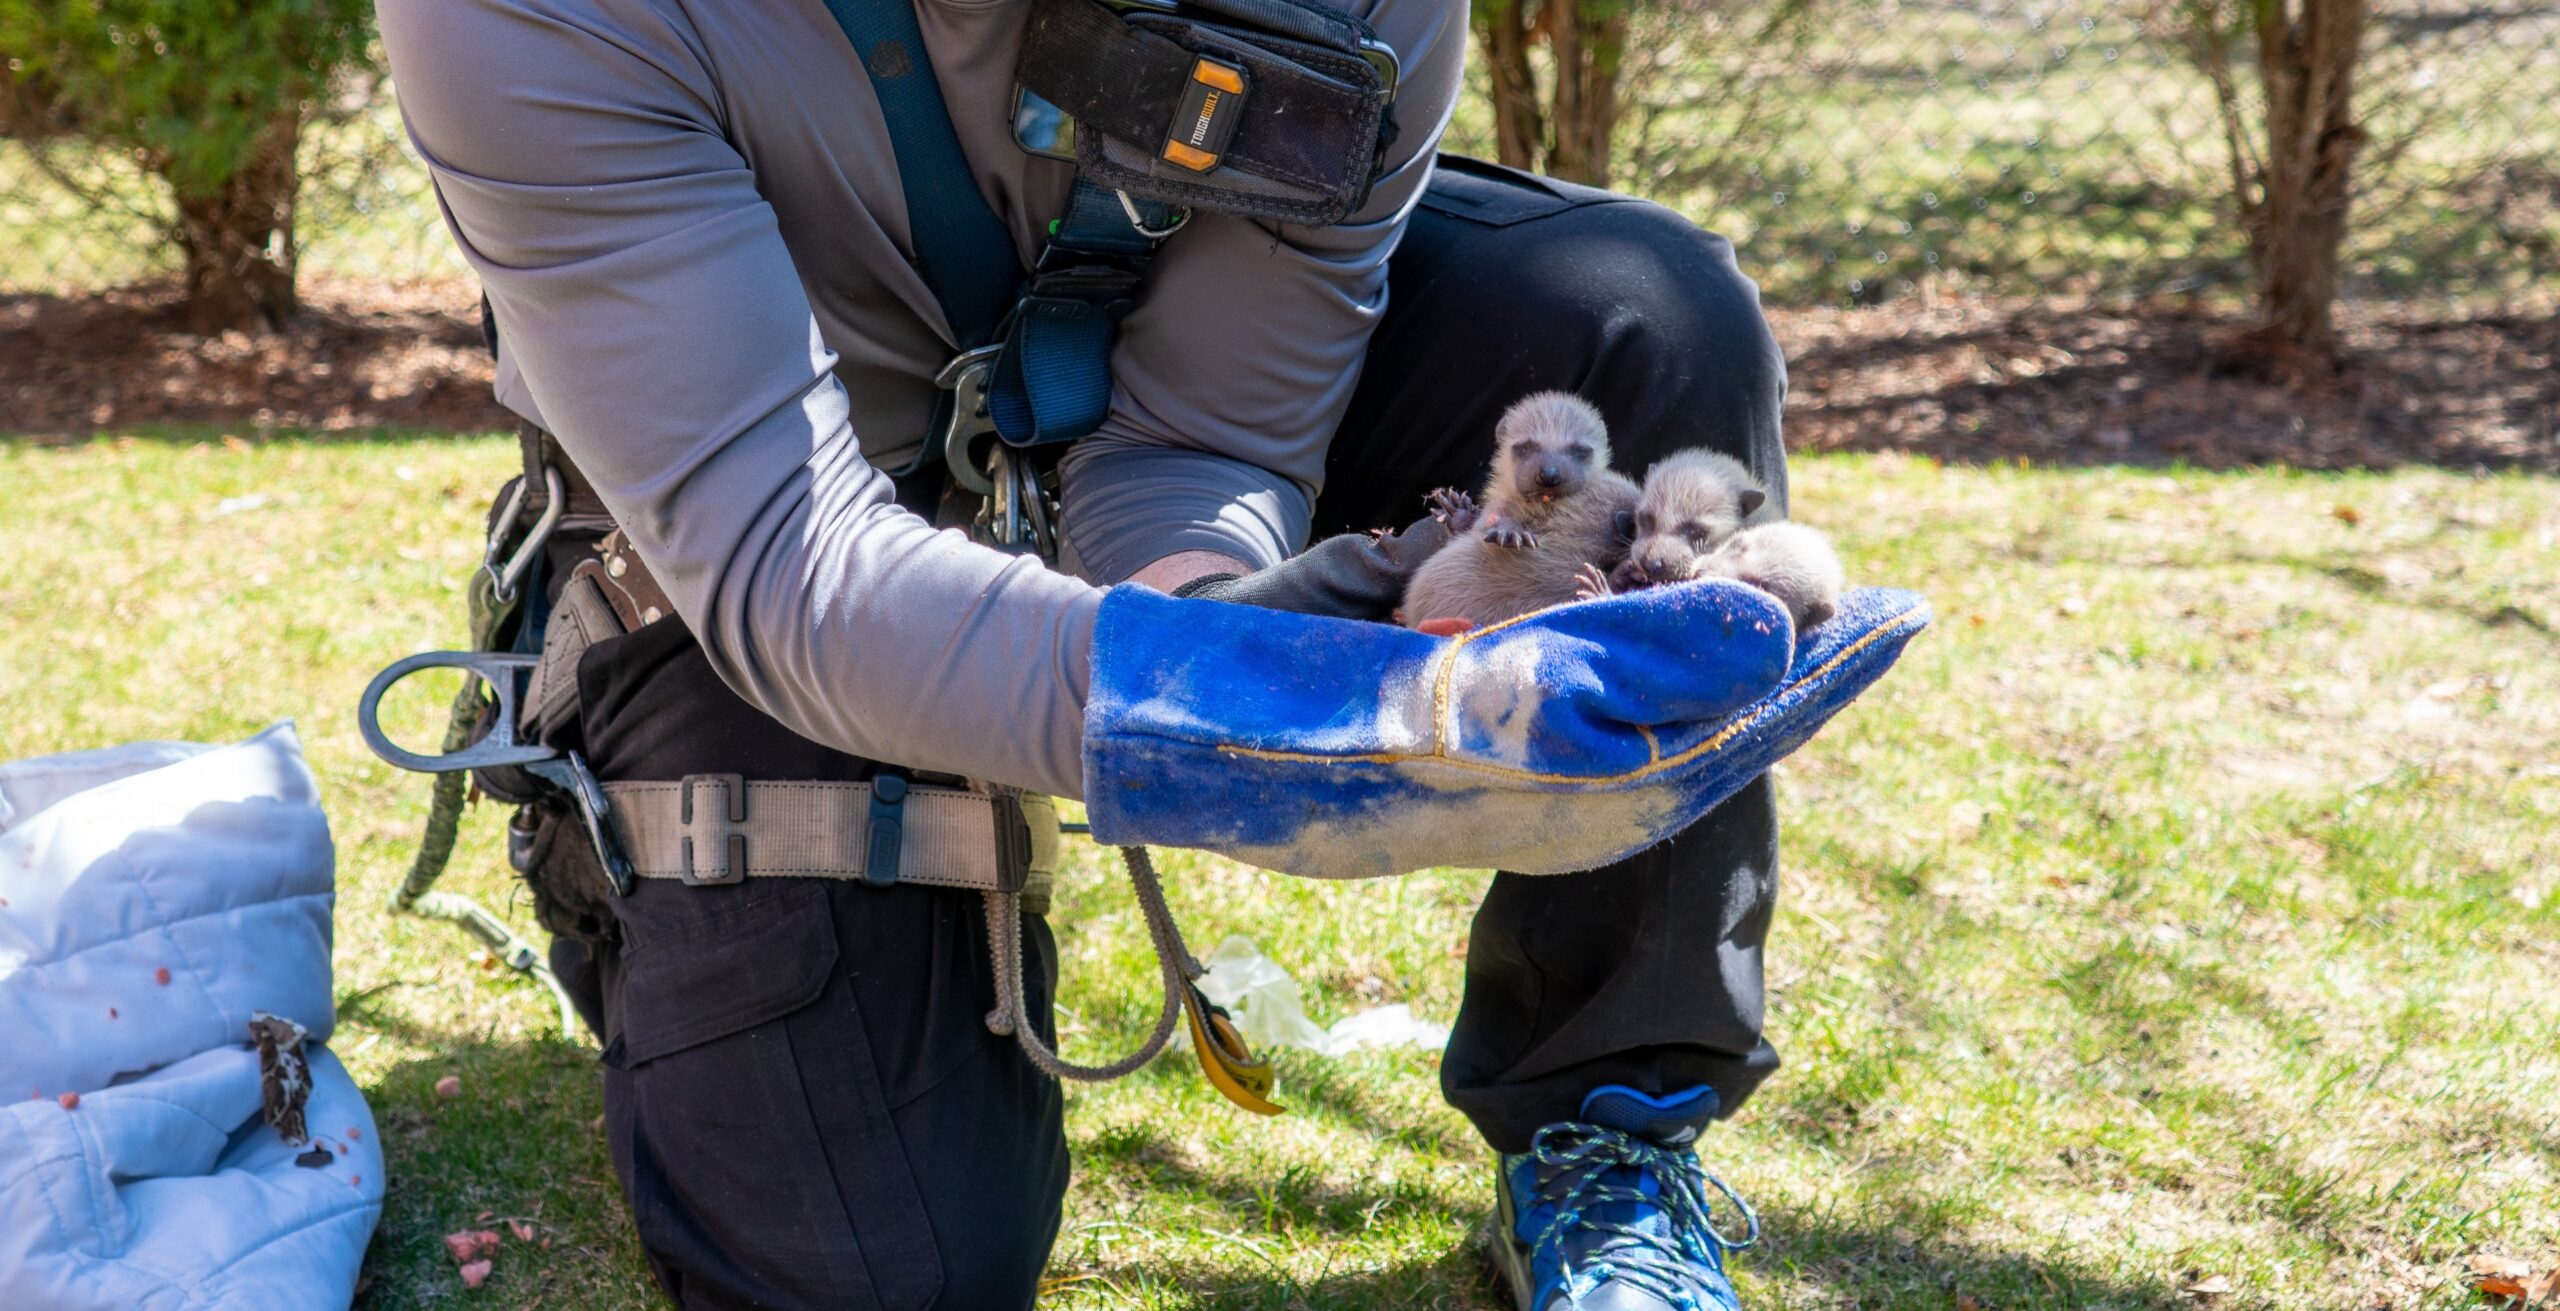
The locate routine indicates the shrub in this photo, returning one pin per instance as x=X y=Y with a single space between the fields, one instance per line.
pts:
x=209 y=96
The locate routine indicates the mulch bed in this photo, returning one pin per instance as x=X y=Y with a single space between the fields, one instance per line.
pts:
x=360 y=356
x=2150 y=384
x=1967 y=380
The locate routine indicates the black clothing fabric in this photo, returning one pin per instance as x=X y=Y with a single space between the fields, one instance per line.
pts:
x=1345 y=576
x=803 y=1102
x=805 y=1106
x=1647 y=973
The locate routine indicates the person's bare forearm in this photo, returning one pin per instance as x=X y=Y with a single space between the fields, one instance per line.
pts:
x=1170 y=573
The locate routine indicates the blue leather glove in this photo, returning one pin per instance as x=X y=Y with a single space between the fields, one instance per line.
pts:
x=1562 y=740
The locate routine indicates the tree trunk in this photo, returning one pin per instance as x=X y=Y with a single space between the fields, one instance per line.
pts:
x=1590 y=45
x=239 y=240
x=2298 y=223
x=1519 y=128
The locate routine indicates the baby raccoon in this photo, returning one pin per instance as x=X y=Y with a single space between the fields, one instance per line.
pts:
x=1692 y=501
x=1552 y=507
x=1691 y=523
x=1788 y=561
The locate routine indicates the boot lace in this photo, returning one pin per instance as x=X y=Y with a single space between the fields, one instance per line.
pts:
x=1589 y=1173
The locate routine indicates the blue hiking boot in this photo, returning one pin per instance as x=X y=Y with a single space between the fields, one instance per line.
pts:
x=1609 y=1212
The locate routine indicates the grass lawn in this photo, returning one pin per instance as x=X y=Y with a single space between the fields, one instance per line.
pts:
x=2183 y=914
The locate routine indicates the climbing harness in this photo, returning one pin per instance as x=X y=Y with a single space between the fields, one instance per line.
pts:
x=1278 y=110
x=708 y=830
x=716 y=829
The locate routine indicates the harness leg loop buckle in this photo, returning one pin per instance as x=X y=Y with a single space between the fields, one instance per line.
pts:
x=714 y=827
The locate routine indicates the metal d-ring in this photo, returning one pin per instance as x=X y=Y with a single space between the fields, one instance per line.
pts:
x=500 y=748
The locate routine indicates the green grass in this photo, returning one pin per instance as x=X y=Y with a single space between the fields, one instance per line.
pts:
x=2187 y=905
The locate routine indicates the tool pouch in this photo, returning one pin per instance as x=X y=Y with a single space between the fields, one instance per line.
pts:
x=1272 y=109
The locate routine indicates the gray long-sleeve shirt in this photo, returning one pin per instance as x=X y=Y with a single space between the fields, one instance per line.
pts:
x=688 y=219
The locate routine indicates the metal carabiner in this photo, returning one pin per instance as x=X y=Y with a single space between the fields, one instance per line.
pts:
x=503 y=580
x=1007 y=521
x=1017 y=515
x=1033 y=503
x=966 y=378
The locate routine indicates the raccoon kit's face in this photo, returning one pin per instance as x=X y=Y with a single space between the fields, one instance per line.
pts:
x=1670 y=538
x=1549 y=462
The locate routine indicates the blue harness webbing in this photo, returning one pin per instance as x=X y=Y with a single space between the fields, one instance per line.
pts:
x=961 y=247
x=1052 y=381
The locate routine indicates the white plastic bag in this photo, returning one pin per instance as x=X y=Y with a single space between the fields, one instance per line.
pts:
x=1264 y=1001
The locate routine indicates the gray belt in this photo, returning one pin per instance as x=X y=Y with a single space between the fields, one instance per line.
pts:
x=709 y=829
x=716 y=828
x=712 y=829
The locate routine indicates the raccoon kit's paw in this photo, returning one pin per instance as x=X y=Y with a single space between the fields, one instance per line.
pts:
x=1511 y=537
x=1454 y=509
x=1629 y=576
x=1590 y=584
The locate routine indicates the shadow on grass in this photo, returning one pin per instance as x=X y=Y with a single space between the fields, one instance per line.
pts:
x=1891 y=1260
x=1888 y=1253
x=2091 y=233
x=518 y=1143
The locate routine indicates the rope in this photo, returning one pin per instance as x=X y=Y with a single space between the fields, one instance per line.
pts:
x=416 y=894
x=1173 y=959
x=444 y=804
x=444 y=808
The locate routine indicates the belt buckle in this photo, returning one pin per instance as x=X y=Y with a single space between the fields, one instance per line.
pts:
x=720 y=828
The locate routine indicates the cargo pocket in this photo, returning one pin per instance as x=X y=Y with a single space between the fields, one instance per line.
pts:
x=702 y=964
x=752 y=1132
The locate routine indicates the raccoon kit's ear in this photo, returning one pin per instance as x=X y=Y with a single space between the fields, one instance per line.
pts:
x=1752 y=499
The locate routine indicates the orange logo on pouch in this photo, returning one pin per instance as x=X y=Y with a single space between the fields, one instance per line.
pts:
x=1208 y=111
x=1203 y=122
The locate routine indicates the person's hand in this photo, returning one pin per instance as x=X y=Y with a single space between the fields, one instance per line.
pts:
x=1352 y=576
x=1561 y=740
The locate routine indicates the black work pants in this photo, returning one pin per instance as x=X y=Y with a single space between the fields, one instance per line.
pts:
x=804 y=1104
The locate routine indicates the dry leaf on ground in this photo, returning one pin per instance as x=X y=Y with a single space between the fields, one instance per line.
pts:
x=2514 y=1278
